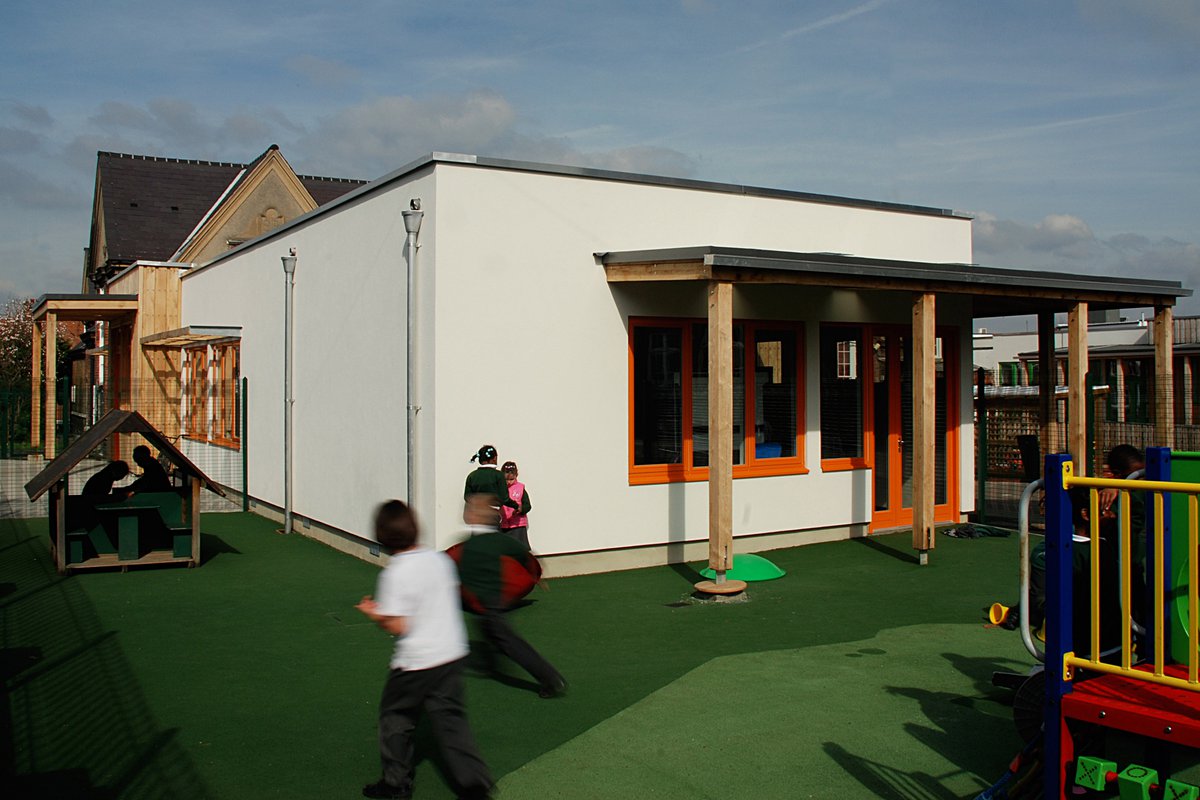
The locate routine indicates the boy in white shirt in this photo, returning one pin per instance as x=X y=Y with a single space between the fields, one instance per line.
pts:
x=417 y=601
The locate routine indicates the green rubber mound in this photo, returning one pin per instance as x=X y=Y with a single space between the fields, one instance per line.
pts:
x=749 y=567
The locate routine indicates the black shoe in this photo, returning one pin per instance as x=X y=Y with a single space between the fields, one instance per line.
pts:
x=385 y=791
x=557 y=689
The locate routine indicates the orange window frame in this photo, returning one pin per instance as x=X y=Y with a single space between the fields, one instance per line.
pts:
x=644 y=474
x=196 y=368
x=226 y=365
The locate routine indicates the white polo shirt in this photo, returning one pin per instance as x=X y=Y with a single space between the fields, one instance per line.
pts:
x=421 y=585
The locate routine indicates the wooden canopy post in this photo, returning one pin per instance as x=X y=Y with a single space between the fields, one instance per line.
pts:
x=1077 y=365
x=1164 y=401
x=51 y=378
x=720 y=439
x=194 y=486
x=924 y=429
x=35 y=408
x=1047 y=383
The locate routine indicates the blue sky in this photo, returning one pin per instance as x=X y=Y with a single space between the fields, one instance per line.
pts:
x=1071 y=130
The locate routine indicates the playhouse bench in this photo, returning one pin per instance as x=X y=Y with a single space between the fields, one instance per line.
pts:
x=134 y=521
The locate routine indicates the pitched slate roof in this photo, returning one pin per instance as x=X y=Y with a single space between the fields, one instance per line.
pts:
x=152 y=204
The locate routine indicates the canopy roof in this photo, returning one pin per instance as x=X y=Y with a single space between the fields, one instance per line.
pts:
x=115 y=421
x=86 y=307
x=995 y=291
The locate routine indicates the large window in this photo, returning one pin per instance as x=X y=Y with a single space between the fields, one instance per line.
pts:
x=669 y=425
x=842 y=397
x=226 y=393
x=212 y=395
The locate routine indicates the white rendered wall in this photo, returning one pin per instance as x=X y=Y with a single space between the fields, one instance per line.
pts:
x=531 y=345
x=349 y=371
x=524 y=345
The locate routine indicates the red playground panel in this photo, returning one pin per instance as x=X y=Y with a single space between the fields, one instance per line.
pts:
x=1138 y=707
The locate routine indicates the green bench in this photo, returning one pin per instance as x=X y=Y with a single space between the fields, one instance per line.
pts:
x=133 y=522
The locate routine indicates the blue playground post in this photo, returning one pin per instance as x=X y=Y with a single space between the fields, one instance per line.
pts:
x=1158 y=468
x=1058 y=619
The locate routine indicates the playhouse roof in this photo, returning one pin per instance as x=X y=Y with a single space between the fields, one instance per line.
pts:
x=115 y=421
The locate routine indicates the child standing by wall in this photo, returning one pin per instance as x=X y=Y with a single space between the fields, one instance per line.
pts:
x=514 y=521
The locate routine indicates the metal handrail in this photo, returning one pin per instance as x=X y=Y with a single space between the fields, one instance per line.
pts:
x=1158 y=661
x=1023 y=542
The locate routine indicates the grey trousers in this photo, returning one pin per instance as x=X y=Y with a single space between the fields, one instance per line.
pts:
x=438 y=692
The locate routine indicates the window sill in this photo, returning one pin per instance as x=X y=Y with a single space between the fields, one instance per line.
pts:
x=844 y=464
x=650 y=476
x=225 y=444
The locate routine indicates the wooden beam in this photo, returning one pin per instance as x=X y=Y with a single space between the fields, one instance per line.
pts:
x=720 y=427
x=86 y=309
x=1047 y=382
x=35 y=416
x=1164 y=385
x=924 y=380
x=1077 y=365
x=51 y=378
x=665 y=271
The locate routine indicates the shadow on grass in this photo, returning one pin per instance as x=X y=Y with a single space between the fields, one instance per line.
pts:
x=73 y=720
x=887 y=782
x=980 y=670
x=212 y=546
x=685 y=571
x=879 y=546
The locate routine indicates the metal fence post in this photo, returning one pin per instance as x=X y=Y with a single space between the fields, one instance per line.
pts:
x=1090 y=422
x=982 y=438
x=245 y=445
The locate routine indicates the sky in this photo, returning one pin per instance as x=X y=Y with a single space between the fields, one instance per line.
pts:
x=1069 y=130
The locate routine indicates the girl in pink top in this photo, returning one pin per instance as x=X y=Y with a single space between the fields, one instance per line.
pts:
x=514 y=521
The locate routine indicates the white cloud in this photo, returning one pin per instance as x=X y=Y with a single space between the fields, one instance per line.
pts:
x=825 y=22
x=1059 y=236
x=1066 y=242
x=381 y=135
x=374 y=138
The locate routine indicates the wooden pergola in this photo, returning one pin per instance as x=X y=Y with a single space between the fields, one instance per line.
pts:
x=991 y=291
x=50 y=310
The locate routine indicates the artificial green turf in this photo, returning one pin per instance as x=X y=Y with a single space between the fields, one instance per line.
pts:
x=797 y=723
x=253 y=677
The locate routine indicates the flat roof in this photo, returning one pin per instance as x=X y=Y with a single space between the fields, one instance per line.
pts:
x=85 y=307
x=485 y=162
x=193 y=334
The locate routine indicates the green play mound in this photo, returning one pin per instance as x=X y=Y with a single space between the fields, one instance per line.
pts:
x=749 y=567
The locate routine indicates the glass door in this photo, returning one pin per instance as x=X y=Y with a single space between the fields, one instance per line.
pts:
x=892 y=425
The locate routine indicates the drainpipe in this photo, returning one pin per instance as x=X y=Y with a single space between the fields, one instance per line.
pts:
x=289 y=272
x=412 y=227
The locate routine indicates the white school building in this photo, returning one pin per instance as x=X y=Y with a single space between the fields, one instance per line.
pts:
x=562 y=315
